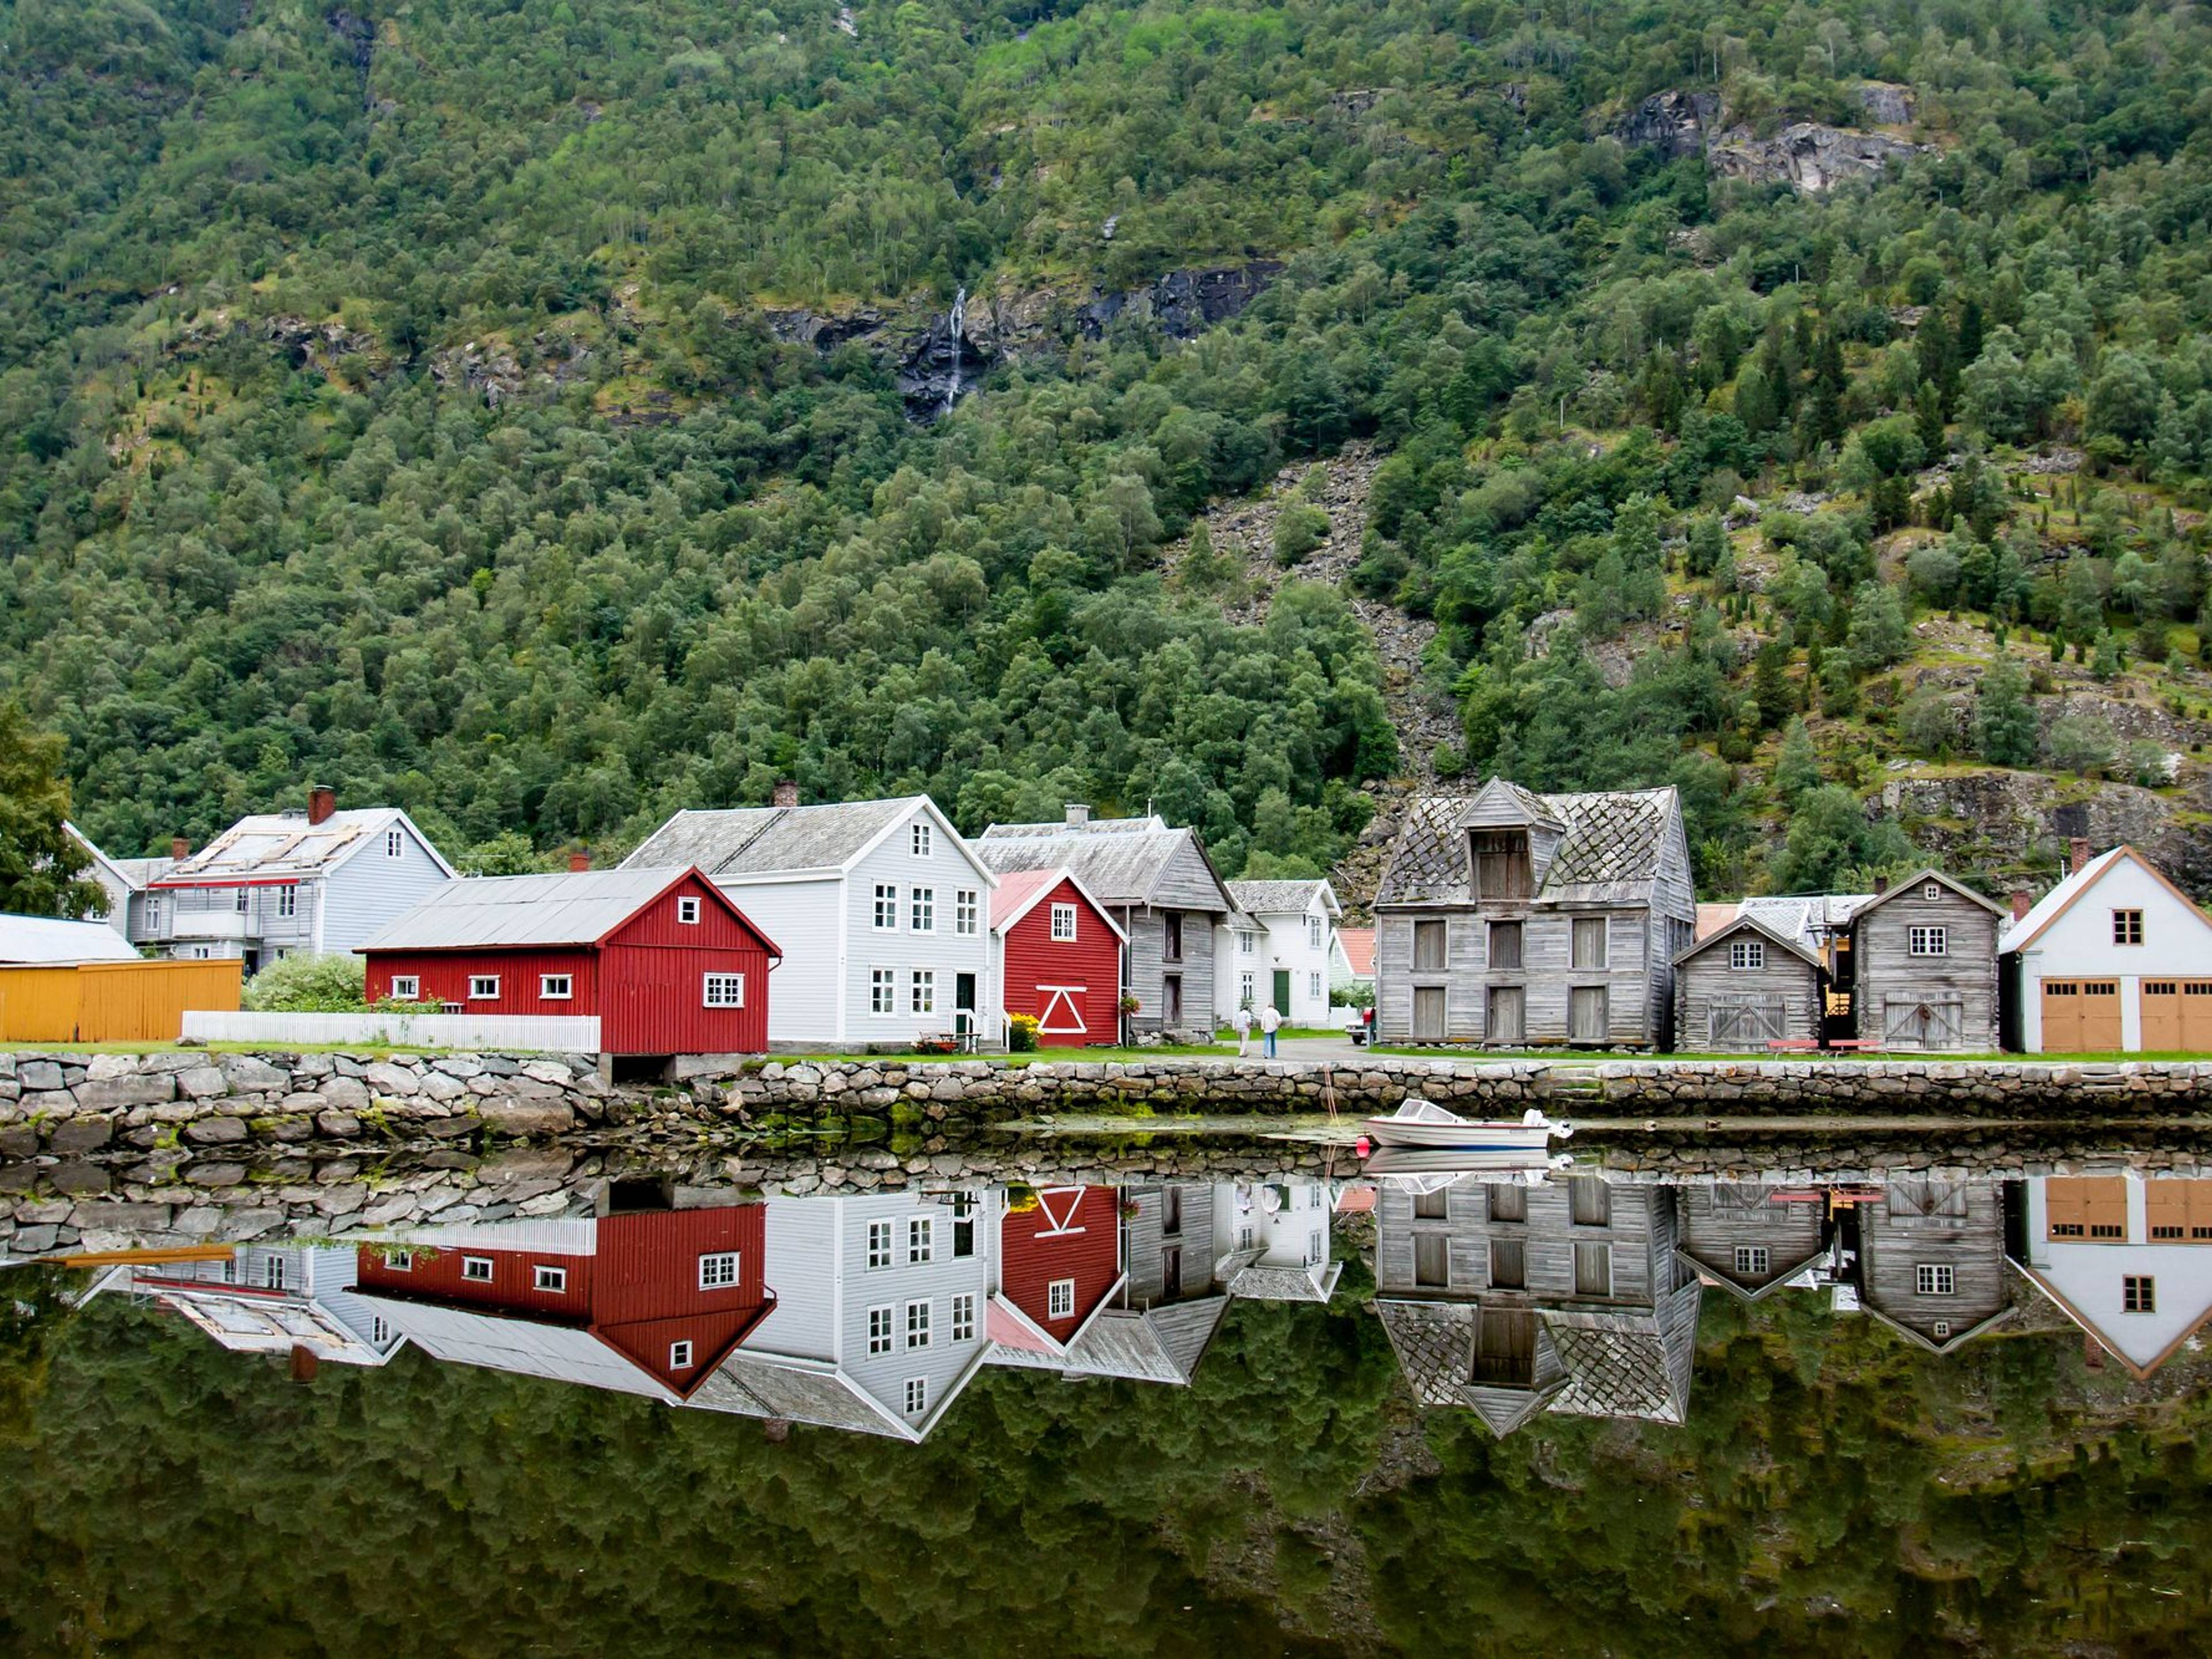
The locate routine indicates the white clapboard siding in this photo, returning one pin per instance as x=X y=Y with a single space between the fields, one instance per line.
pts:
x=550 y=1033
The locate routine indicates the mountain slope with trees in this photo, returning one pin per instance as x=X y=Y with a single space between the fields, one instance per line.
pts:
x=404 y=397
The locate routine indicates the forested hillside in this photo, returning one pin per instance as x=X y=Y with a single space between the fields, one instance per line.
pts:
x=544 y=414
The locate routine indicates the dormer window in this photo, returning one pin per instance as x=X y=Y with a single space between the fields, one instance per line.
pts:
x=1502 y=870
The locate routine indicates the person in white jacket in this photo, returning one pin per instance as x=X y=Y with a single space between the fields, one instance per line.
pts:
x=1242 y=1020
x=1269 y=1021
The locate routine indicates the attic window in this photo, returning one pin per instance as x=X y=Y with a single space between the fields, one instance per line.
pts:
x=394 y=845
x=1747 y=954
x=687 y=912
x=2127 y=927
x=1932 y=891
x=1501 y=864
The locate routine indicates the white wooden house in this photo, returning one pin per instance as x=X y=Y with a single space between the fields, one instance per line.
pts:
x=1280 y=948
x=270 y=1299
x=1274 y=1240
x=2127 y=1256
x=322 y=882
x=123 y=880
x=2115 y=957
x=881 y=907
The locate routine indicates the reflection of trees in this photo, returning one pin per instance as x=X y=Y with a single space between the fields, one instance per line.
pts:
x=35 y=1307
x=1834 y=1491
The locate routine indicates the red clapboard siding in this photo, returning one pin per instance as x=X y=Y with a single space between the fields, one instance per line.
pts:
x=646 y=981
x=436 y=1276
x=1035 y=960
x=648 y=1263
x=1073 y=1233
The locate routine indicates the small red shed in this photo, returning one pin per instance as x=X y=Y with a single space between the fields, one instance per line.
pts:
x=1059 y=1261
x=661 y=958
x=671 y=1292
x=1057 y=955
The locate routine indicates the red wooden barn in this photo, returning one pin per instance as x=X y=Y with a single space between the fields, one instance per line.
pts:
x=1060 y=1261
x=1057 y=955
x=662 y=957
x=659 y=1298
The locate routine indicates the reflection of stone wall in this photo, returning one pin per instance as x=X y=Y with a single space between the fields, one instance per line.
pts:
x=186 y=1102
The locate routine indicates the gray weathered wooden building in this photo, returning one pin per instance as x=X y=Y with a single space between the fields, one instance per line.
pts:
x=1931 y=1261
x=1513 y=1301
x=1509 y=917
x=1925 y=966
x=1745 y=987
x=1160 y=887
x=1749 y=1238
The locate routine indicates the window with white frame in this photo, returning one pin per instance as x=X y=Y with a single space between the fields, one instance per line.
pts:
x=153 y=910
x=967 y=912
x=887 y=906
x=1060 y=1299
x=483 y=987
x=555 y=988
x=879 y=1243
x=921 y=840
x=406 y=987
x=1751 y=1260
x=920 y=1239
x=718 y=1270
x=1929 y=941
x=287 y=900
x=1313 y=982
x=964 y=1317
x=880 y=1330
x=1747 y=955
x=395 y=844
x=552 y=1279
x=679 y=1355
x=400 y=1261
x=917 y=1324
x=925 y=909
x=917 y=1395
x=1247 y=941
x=1063 y=923
x=1246 y=986
x=724 y=990
x=1935 y=1279
x=1931 y=891
x=272 y=1271
x=476 y=1269
x=379 y=1332
x=1313 y=932
x=922 y=999
x=240 y=899
x=687 y=912
x=883 y=991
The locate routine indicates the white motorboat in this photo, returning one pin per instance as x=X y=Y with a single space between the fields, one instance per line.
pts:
x=1428 y=1127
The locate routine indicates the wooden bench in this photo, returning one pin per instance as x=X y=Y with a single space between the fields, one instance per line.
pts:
x=1791 y=1045
x=1808 y=1045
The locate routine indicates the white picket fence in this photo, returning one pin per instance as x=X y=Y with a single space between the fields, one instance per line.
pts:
x=543 y=1033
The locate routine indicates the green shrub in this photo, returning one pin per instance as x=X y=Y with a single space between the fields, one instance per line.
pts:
x=1298 y=529
x=309 y=984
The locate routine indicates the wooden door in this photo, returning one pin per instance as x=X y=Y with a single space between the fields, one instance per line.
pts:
x=1171 y=1001
x=1745 y=1021
x=1587 y=1020
x=2197 y=1015
x=1924 y=1023
x=2080 y=1015
x=1282 y=993
x=1508 y=1015
x=1429 y=1012
x=2159 y=1004
x=2085 y=1207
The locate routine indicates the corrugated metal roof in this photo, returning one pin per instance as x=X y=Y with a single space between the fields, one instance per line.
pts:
x=1016 y=891
x=579 y=907
x=266 y=846
x=1610 y=849
x=43 y=939
x=762 y=840
x=1120 y=860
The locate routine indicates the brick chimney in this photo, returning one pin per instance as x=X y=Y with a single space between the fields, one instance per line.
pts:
x=180 y=848
x=322 y=801
x=787 y=793
x=2021 y=904
x=2077 y=855
x=578 y=862
x=1079 y=812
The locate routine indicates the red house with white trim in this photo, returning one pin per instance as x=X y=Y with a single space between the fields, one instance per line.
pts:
x=643 y=1303
x=1056 y=954
x=1059 y=1262
x=662 y=958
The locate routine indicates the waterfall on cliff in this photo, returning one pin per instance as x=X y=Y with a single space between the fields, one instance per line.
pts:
x=959 y=323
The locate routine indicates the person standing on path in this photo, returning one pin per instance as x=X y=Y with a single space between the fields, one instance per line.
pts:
x=1269 y=1020
x=1242 y=1020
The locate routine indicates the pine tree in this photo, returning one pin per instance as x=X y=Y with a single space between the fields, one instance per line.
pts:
x=2004 y=716
x=1797 y=766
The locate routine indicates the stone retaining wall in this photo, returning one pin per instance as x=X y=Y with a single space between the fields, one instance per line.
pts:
x=75 y=1105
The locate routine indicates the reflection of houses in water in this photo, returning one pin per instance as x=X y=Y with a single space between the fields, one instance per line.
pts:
x=1515 y=1300
x=1274 y=1241
x=1751 y=1238
x=640 y=1303
x=2126 y=1257
x=1930 y=1260
x=270 y=1299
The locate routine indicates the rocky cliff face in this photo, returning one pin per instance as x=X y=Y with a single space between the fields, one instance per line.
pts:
x=1808 y=156
x=1674 y=122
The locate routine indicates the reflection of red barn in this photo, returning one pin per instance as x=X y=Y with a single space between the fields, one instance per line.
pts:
x=661 y=958
x=1058 y=956
x=1060 y=1261
x=669 y=1291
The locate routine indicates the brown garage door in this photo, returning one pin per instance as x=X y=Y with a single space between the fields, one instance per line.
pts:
x=2177 y=1015
x=2080 y=1015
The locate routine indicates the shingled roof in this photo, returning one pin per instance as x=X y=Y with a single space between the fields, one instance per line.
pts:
x=1120 y=860
x=1272 y=898
x=1611 y=846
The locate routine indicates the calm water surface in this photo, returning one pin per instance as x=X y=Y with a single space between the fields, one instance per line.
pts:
x=1593 y=1413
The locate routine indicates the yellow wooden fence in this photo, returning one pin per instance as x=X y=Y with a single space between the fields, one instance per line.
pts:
x=112 y=1001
